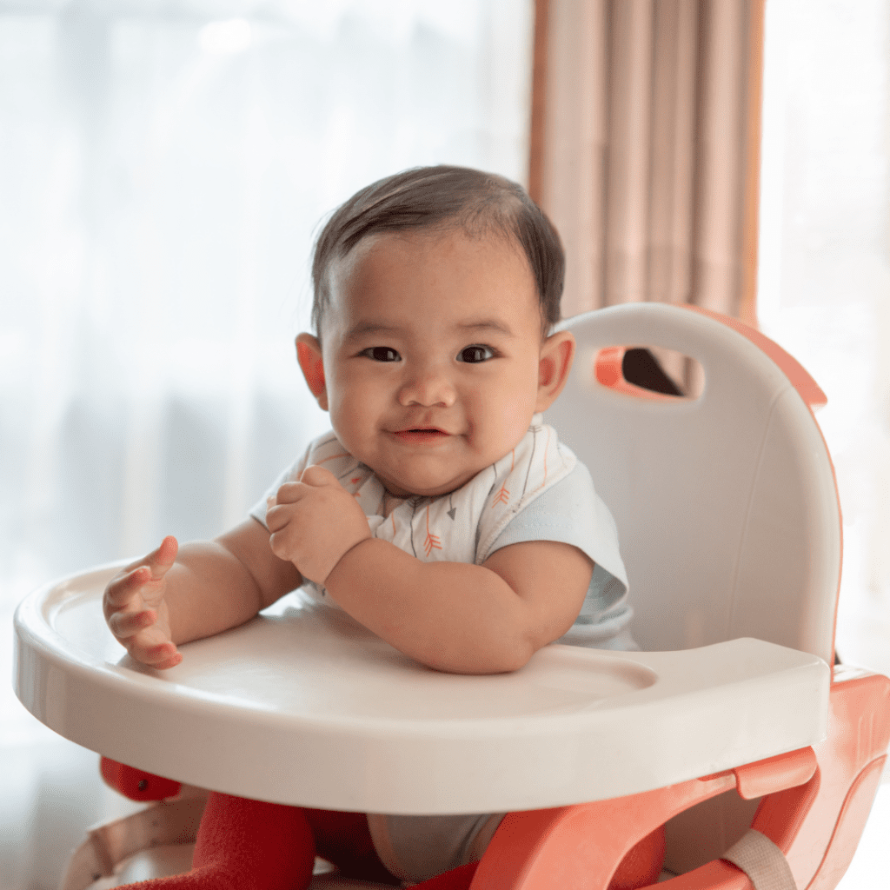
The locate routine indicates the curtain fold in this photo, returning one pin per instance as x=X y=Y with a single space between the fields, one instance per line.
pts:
x=645 y=148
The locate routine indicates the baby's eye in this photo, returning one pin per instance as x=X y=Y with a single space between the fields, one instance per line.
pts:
x=475 y=353
x=381 y=354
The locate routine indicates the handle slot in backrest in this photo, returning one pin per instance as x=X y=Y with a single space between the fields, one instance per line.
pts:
x=649 y=373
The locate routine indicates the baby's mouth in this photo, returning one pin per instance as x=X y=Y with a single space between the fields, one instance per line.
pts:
x=420 y=435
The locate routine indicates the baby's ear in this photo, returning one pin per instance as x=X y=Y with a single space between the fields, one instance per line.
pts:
x=557 y=354
x=309 y=357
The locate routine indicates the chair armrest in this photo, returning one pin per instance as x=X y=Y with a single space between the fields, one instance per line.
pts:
x=773 y=774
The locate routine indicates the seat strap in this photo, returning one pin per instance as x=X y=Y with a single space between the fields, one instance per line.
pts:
x=762 y=861
x=165 y=822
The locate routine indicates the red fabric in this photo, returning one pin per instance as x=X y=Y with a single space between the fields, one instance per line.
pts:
x=136 y=783
x=345 y=840
x=246 y=845
x=456 y=879
x=252 y=845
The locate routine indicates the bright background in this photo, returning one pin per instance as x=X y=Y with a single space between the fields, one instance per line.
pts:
x=163 y=167
x=824 y=293
x=824 y=286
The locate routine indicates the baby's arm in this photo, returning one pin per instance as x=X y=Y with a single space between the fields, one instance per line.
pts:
x=459 y=617
x=451 y=616
x=177 y=594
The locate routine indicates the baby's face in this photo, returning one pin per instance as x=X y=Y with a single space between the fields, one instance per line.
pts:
x=431 y=350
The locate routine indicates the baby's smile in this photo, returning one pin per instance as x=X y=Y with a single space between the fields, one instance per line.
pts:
x=421 y=435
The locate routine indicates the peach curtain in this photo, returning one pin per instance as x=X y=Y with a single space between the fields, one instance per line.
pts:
x=645 y=147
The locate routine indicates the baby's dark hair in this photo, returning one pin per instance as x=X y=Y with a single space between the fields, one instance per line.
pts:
x=444 y=197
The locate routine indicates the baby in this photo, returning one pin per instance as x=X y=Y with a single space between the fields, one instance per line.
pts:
x=440 y=512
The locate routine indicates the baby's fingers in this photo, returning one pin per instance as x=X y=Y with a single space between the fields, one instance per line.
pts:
x=161 y=657
x=144 y=638
x=126 y=587
x=160 y=561
x=288 y=493
x=127 y=624
x=318 y=476
x=141 y=576
x=153 y=649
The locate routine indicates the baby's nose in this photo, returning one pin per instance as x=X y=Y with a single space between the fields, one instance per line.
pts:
x=429 y=387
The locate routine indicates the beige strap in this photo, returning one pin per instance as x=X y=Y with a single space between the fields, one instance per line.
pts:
x=165 y=822
x=762 y=861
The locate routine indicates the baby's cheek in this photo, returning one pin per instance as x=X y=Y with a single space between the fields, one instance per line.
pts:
x=509 y=423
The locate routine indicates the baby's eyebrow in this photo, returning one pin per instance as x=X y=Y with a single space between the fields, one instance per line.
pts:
x=486 y=325
x=366 y=328
x=473 y=326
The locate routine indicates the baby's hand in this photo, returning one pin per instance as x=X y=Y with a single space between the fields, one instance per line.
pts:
x=137 y=612
x=314 y=522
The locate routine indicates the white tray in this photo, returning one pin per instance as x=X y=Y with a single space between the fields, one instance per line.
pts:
x=302 y=705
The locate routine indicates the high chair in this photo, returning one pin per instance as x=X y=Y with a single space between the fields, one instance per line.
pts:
x=734 y=725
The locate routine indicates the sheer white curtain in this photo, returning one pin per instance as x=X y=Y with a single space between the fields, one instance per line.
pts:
x=824 y=291
x=825 y=266
x=163 y=167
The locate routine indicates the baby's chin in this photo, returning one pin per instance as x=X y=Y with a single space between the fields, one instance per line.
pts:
x=398 y=491
x=403 y=488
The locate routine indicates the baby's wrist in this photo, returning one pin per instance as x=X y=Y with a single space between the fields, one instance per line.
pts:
x=348 y=552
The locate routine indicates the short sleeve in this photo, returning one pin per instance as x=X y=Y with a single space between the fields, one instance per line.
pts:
x=571 y=512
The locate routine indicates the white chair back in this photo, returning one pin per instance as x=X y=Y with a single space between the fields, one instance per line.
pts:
x=726 y=504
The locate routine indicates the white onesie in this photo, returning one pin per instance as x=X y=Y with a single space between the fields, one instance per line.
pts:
x=539 y=491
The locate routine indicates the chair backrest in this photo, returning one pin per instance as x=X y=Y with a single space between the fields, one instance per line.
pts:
x=726 y=503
